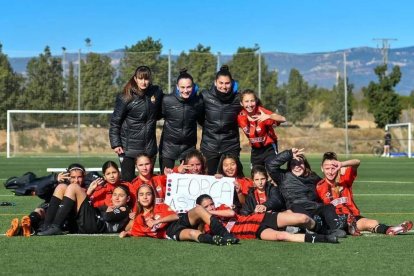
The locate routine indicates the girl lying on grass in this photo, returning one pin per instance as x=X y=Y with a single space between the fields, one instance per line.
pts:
x=160 y=221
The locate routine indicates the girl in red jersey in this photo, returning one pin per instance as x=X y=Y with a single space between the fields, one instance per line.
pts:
x=257 y=123
x=230 y=166
x=100 y=191
x=262 y=226
x=151 y=219
x=144 y=166
x=336 y=189
x=160 y=221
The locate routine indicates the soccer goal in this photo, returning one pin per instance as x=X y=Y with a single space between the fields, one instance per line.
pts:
x=401 y=142
x=57 y=132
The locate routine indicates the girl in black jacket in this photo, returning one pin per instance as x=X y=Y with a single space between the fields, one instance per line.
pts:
x=181 y=110
x=265 y=197
x=220 y=129
x=133 y=122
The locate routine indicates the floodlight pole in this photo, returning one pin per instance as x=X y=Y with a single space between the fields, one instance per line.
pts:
x=169 y=71
x=218 y=61
x=259 y=72
x=346 y=108
x=79 y=99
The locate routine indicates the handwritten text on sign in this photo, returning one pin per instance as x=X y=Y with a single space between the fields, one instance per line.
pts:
x=183 y=189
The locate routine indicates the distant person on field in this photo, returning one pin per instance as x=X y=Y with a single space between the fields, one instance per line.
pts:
x=387 y=144
x=257 y=123
x=133 y=122
x=336 y=189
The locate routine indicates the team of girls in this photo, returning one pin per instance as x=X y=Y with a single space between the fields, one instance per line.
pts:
x=336 y=189
x=257 y=124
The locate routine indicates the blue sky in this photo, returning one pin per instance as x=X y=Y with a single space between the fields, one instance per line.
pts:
x=294 y=26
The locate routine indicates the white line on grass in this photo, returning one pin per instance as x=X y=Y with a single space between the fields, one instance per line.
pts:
x=384 y=181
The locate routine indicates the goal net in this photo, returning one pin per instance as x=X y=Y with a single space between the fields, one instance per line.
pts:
x=57 y=133
x=401 y=139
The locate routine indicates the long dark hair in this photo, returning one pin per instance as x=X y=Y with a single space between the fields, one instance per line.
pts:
x=239 y=172
x=142 y=72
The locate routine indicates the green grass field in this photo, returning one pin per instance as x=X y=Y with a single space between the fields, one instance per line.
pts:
x=384 y=190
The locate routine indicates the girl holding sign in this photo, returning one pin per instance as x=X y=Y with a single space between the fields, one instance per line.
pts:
x=230 y=166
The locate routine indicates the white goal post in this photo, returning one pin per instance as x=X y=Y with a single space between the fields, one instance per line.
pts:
x=56 y=112
x=408 y=138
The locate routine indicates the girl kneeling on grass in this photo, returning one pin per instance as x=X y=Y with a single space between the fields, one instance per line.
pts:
x=336 y=189
x=262 y=226
x=160 y=221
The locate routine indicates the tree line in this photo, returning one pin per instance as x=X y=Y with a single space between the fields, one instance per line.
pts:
x=45 y=87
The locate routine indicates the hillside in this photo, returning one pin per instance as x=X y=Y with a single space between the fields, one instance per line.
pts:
x=317 y=68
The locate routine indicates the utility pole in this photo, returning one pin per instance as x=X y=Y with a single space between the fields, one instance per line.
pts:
x=385 y=47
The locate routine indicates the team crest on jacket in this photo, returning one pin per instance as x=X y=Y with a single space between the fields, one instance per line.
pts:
x=153 y=99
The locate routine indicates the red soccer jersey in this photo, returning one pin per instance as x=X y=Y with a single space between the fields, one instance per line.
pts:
x=102 y=195
x=158 y=182
x=243 y=227
x=260 y=197
x=340 y=196
x=141 y=229
x=245 y=184
x=260 y=134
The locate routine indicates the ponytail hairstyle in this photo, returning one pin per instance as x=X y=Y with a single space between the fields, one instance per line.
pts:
x=329 y=155
x=184 y=75
x=202 y=197
x=142 y=72
x=224 y=71
x=109 y=164
x=250 y=92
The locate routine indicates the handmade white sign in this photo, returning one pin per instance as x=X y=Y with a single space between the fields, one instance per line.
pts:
x=183 y=189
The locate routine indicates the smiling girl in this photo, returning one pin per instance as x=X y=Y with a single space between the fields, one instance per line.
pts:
x=257 y=123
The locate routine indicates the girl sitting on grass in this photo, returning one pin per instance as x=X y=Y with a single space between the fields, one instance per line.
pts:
x=336 y=189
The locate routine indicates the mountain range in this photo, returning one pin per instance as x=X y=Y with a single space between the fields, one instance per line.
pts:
x=319 y=69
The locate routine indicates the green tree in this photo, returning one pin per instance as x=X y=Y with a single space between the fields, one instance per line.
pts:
x=297 y=91
x=273 y=97
x=10 y=87
x=44 y=82
x=97 y=86
x=337 y=104
x=383 y=102
x=200 y=63
x=244 y=67
x=145 y=52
